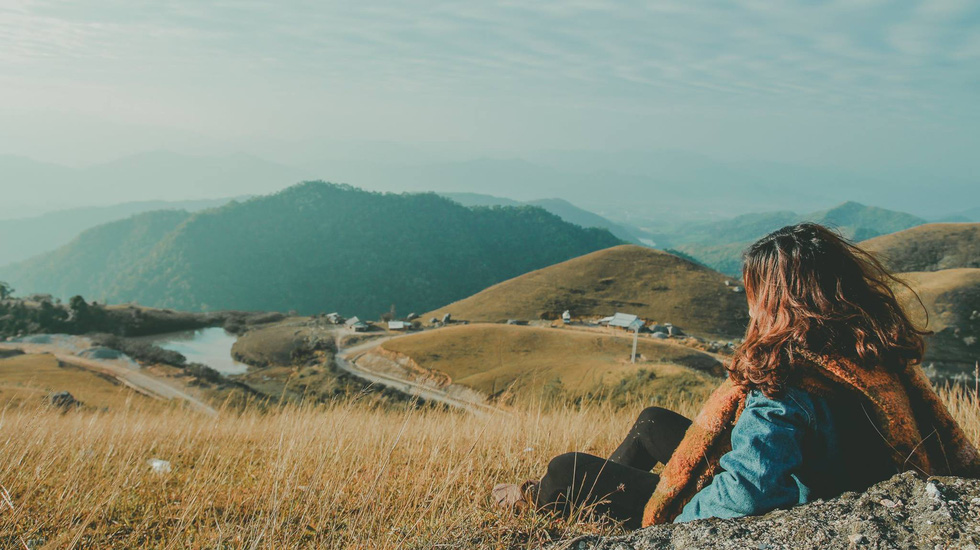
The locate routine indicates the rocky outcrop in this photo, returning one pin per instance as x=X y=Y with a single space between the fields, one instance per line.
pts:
x=64 y=401
x=904 y=512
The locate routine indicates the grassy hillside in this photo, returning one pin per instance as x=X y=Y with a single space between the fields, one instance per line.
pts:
x=516 y=363
x=719 y=245
x=929 y=247
x=310 y=248
x=952 y=300
x=28 y=381
x=628 y=278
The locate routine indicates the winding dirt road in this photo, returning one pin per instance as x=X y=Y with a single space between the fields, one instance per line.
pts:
x=346 y=360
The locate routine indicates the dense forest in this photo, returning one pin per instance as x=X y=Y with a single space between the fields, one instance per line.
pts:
x=310 y=248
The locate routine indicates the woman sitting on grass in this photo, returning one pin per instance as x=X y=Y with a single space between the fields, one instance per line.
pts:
x=825 y=395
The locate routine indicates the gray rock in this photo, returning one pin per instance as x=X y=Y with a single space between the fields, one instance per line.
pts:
x=914 y=519
x=64 y=400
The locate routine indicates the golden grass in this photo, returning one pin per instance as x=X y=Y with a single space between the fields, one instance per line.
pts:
x=527 y=361
x=29 y=379
x=344 y=476
x=929 y=247
x=274 y=344
x=942 y=293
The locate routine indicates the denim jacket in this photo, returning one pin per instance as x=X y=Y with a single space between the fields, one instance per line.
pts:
x=784 y=452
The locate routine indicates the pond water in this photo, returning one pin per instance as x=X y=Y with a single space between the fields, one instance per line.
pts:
x=210 y=346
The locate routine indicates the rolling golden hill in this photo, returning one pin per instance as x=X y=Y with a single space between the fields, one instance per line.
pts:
x=930 y=247
x=509 y=363
x=952 y=299
x=650 y=283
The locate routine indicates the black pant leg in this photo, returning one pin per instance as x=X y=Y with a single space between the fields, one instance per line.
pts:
x=578 y=480
x=652 y=439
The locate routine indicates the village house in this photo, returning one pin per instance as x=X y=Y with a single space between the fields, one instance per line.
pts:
x=356 y=325
x=622 y=320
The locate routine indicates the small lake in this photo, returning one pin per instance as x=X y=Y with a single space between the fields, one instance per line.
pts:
x=209 y=346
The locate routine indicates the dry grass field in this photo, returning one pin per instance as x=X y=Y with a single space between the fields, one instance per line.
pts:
x=275 y=344
x=530 y=362
x=348 y=475
x=345 y=476
x=652 y=284
x=29 y=379
x=943 y=293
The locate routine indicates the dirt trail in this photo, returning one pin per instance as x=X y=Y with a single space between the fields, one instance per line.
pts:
x=346 y=360
x=128 y=376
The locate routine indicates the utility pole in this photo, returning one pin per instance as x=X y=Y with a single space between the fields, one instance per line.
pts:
x=636 y=335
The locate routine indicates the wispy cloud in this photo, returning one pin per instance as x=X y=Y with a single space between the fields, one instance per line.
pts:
x=845 y=56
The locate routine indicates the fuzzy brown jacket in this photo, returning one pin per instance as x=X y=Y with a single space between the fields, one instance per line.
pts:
x=918 y=431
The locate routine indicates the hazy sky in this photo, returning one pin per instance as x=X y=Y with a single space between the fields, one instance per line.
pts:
x=862 y=84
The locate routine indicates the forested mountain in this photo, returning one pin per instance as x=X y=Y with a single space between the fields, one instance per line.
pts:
x=720 y=244
x=312 y=247
x=479 y=199
x=559 y=207
x=31 y=236
x=94 y=263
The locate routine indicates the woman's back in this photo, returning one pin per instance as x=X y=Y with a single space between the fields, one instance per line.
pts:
x=791 y=449
x=866 y=457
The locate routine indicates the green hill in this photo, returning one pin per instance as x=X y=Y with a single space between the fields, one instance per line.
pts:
x=309 y=248
x=719 y=245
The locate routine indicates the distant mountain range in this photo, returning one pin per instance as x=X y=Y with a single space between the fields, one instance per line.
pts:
x=27 y=237
x=719 y=245
x=310 y=248
x=645 y=189
x=161 y=175
x=969 y=215
x=650 y=188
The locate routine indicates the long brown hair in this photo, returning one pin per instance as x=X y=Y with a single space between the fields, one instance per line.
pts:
x=810 y=289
